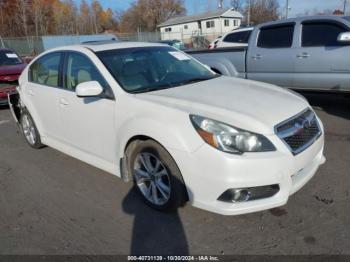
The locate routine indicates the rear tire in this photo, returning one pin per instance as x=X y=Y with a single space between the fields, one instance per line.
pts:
x=29 y=130
x=157 y=177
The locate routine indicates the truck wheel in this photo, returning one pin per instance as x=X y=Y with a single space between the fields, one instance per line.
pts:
x=29 y=130
x=157 y=177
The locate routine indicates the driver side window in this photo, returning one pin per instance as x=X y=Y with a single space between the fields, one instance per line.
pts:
x=80 y=69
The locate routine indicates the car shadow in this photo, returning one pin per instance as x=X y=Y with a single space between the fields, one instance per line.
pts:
x=333 y=103
x=154 y=232
x=4 y=107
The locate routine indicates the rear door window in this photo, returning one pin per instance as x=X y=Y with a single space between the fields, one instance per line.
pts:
x=321 y=34
x=280 y=36
x=45 y=70
x=238 y=37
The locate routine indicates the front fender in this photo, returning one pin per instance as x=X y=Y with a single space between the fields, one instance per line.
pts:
x=168 y=136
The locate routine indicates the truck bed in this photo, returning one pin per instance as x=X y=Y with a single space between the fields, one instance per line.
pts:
x=230 y=61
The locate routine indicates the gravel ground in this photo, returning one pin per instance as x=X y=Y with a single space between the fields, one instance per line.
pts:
x=51 y=203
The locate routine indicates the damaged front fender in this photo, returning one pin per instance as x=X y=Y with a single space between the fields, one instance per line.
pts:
x=14 y=102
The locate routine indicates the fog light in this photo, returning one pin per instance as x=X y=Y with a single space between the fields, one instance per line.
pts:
x=238 y=195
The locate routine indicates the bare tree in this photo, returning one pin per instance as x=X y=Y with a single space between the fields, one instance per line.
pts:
x=263 y=10
x=1 y=16
x=237 y=4
x=41 y=17
x=147 y=14
x=22 y=8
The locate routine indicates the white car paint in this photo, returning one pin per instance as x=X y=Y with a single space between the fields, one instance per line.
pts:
x=98 y=132
x=220 y=41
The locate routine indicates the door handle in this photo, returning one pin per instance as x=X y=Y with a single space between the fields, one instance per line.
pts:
x=303 y=55
x=257 y=56
x=64 y=102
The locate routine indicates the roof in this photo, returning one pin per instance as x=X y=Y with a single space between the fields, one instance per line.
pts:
x=5 y=50
x=213 y=14
x=303 y=18
x=102 y=46
x=64 y=40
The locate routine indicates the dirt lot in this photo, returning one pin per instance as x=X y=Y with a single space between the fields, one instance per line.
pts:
x=53 y=204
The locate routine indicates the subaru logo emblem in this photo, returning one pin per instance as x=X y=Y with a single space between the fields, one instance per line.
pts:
x=306 y=124
x=301 y=126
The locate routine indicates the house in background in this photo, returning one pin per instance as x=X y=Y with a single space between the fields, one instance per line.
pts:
x=209 y=25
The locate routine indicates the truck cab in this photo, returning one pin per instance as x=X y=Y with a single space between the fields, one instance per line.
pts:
x=303 y=53
x=309 y=53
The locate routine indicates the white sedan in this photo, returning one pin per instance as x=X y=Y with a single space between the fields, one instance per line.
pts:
x=236 y=38
x=152 y=114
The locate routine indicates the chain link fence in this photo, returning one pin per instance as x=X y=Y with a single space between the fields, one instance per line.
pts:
x=191 y=40
x=25 y=46
x=32 y=45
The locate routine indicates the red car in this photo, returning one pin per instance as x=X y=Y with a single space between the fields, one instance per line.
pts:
x=11 y=67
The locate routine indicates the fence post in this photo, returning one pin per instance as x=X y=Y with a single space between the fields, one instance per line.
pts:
x=2 y=42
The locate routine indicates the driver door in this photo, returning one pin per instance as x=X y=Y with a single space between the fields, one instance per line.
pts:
x=89 y=122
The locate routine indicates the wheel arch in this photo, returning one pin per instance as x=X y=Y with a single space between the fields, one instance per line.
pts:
x=130 y=145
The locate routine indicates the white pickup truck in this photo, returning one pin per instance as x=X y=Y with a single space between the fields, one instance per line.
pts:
x=309 y=53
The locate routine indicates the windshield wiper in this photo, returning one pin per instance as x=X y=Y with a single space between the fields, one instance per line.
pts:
x=194 y=80
x=171 y=85
x=151 y=89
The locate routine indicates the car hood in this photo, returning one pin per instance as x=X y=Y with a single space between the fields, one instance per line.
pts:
x=12 y=70
x=245 y=104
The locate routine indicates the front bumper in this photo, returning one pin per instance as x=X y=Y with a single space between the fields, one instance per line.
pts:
x=208 y=173
x=5 y=92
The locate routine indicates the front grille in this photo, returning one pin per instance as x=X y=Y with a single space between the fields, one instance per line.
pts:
x=299 y=132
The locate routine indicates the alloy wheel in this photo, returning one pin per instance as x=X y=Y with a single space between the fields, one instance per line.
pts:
x=152 y=178
x=28 y=129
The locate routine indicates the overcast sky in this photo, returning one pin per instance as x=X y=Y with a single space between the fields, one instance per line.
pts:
x=196 y=6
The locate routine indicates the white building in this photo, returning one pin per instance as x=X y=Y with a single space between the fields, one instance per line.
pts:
x=209 y=24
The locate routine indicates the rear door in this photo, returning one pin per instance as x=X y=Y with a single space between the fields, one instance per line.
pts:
x=42 y=92
x=271 y=57
x=321 y=62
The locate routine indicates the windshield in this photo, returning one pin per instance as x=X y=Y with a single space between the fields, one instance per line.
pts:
x=148 y=69
x=9 y=58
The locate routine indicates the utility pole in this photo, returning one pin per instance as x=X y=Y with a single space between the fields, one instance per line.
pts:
x=344 y=9
x=287 y=8
x=248 y=18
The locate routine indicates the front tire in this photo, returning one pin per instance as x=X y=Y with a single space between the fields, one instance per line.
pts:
x=29 y=130
x=157 y=177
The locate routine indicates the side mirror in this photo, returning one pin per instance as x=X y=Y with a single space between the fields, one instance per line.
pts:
x=89 y=89
x=344 y=37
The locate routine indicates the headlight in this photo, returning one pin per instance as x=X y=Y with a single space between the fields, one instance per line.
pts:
x=230 y=139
